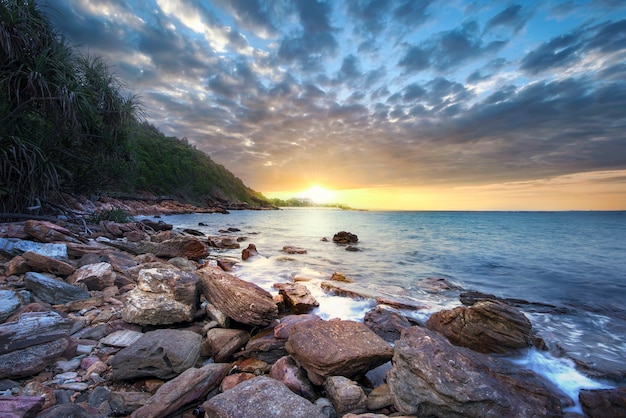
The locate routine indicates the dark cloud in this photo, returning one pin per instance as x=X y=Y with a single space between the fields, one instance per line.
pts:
x=371 y=15
x=255 y=15
x=513 y=17
x=557 y=52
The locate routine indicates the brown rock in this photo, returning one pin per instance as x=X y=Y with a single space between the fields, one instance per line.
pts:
x=379 y=398
x=224 y=242
x=265 y=346
x=243 y=301
x=340 y=277
x=290 y=249
x=249 y=252
x=488 y=327
x=222 y=343
x=297 y=297
x=252 y=365
x=431 y=377
x=336 y=348
x=284 y=326
x=124 y=403
x=345 y=395
x=45 y=231
x=16 y=266
x=386 y=322
x=225 y=264
x=96 y=276
x=233 y=380
x=603 y=403
x=287 y=371
x=40 y=262
x=188 y=247
x=344 y=237
x=187 y=388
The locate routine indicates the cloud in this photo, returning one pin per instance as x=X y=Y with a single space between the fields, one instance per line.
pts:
x=513 y=17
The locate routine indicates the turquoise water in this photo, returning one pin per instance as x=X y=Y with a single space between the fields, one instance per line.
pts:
x=574 y=261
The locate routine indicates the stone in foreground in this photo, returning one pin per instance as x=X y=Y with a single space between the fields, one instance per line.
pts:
x=432 y=377
x=336 y=348
x=260 y=397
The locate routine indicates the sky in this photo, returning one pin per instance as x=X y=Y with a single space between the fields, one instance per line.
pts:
x=404 y=104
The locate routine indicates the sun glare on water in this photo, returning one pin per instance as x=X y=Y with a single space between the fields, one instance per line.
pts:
x=319 y=194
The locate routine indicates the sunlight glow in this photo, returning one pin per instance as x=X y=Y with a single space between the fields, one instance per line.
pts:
x=318 y=194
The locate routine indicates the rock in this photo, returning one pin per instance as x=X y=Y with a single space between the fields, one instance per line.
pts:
x=290 y=249
x=233 y=380
x=222 y=343
x=431 y=377
x=437 y=284
x=224 y=242
x=10 y=301
x=344 y=237
x=156 y=226
x=124 y=403
x=252 y=365
x=286 y=323
x=45 y=231
x=287 y=371
x=188 y=247
x=188 y=387
x=51 y=290
x=40 y=262
x=217 y=315
x=345 y=395
x=121 y=338
x=488 y=327
x=225 y=264
x=97 y=276
x=379 y=398
x=184 y=264
x=603 y=403
x=352 y=248
x=336 y=348
x=379 y=294
x=243 y=301
x=265 y=346
x=33 y=328
x=297 y=297
x=16 y=266
x=163 y=353
x=32 y=359
x=20 y=406
x=340 y=277
x=162 y=296
x=13 y=247
x=260 y=397
x=72 y=410
x=386 y=322
x=248 y=252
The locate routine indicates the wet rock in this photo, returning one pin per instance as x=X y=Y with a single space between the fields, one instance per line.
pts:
x=287 y=371
x=386 y=322
x=51 y=290
x=188 y=247
x=225 y=264
x=243 y=301
x=163 y=353
x=290 y=249
x=345 y=395
x=437 y=284
x=340 y=277
x=603 y=403
x=297 y=297
x=248 y=252
x=97 y=276
x=43 y=263
x=336 y=348
x=224 y=242
x=379 y=294
x=487 y=326
x=221 y=343
x=162 y=296
x=31 y=343
x=188 y=387
x=344 y=237
x=20 y=406
x=431 y=377
x=352 y=248
x=261 y=397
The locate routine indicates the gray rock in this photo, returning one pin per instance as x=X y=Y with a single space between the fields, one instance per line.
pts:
x=10 y=301
x=287 y=371
x=386 y=322
x=13 y=247
x=432 y=377
x=124 y=403
x=121 y=338
x=260 y=397
x=51 y=290
x=346 y=395
x=164 y=353
x=222 y=343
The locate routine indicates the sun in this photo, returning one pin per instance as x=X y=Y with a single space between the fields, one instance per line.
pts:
x=318 y=194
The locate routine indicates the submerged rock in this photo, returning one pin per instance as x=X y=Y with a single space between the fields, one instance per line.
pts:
x=344 y=237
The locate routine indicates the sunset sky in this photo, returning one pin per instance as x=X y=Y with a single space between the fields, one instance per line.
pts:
x=478 y=105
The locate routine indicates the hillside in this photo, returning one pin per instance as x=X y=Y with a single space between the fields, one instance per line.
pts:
x=67 y=124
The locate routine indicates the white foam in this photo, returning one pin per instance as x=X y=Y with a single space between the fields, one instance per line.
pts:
x=561 y=372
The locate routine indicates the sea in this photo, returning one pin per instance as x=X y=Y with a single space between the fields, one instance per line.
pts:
x=569 y=266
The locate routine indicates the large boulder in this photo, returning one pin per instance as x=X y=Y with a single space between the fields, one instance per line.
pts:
x=260 y=397
x=243 y=301
x=188 y=247
x=432 y=377
x=336 y=348
x=489 y=326
x=162 y=296
x=163 y=353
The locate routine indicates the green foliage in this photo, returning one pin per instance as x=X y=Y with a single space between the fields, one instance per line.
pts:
x=118 y=215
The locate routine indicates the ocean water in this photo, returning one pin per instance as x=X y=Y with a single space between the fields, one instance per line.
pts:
x=570 y=265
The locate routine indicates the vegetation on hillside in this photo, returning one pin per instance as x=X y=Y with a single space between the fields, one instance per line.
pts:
x=298 y=202
x=68 y=124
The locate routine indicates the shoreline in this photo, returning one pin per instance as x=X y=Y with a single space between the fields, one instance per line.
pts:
x=110 y=291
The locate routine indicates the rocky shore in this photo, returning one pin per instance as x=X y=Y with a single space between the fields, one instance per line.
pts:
x=143 y=320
